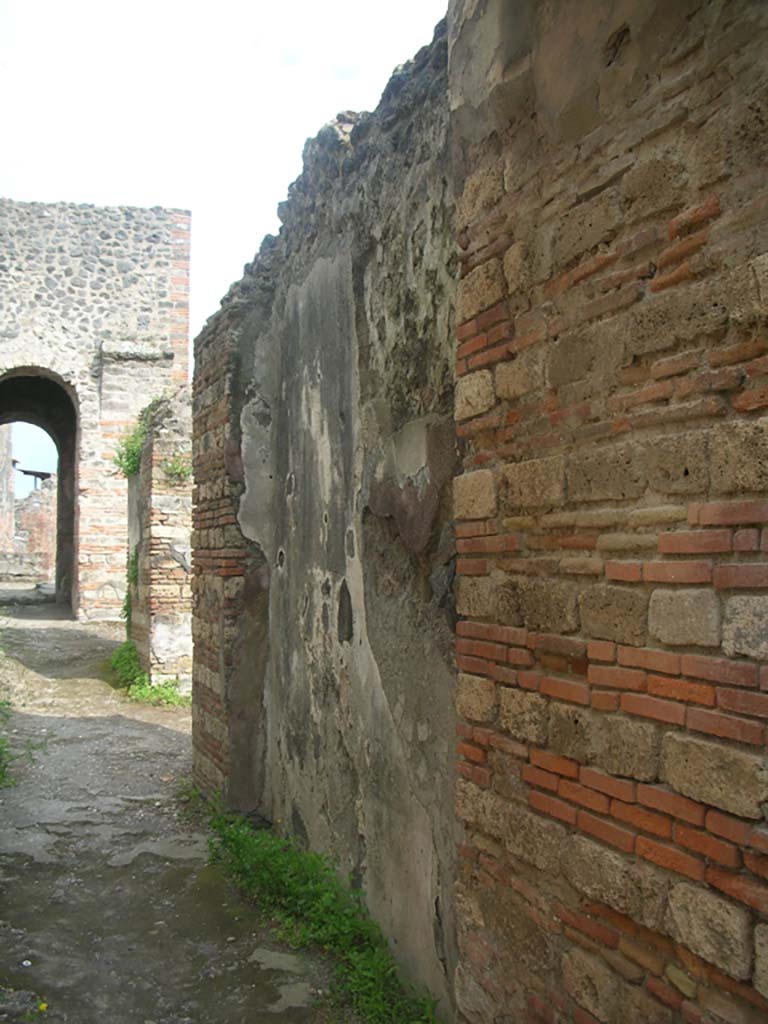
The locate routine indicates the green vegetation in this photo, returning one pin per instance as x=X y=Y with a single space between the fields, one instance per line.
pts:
x=132 y=579
x=128 y=452
x=301 y=893
x=178 y=469
x=6 y=757
x=132 y=572
x=127 y=671
x=27 y=1005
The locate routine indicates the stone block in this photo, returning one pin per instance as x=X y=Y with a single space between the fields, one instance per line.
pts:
x=570 y=731
x=761 y=959
x=625 y=746
x=652 y=186
x=471 y=998
x=614 y=613
x=591 y=983
x=685 y=617
x=740 y=457
x=474 y=495
x=535 y=840
x=537 y=483
x=745 y=630
x=733 y=780
x=475 y=697
x=593 y=353
x=482 y=288
x=630 y=887
x=483 y=188
x=585 y=226
x=476 y=596
x=524 y=715
x=713 y=928
x=667 y=318
x=620 y=746
x=547 y=604
x=507 y=779
x=474 y=395
x=522 y=375
x=678 y=464
x=516 y=268
x=614 y=472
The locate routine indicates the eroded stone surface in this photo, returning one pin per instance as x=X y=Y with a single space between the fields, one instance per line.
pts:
x=685 y=617
x=725 y=777
x=714 y=928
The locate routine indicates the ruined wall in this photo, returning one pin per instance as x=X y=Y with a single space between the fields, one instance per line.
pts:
x=612 y=513
x=159 y=530
x=34 y=542
x=7 y=491
x=95 y=301
x=323 y=546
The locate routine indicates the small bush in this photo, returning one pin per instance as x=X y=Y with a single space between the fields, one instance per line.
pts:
x=128 y=672
x=301 y=893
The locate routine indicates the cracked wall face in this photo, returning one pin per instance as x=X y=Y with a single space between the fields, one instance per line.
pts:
x=93 y=305
x=323 y=698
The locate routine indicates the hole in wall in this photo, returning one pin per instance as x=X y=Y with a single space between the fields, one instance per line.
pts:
x=616 y=45
x=281 y=558
x=345 y=624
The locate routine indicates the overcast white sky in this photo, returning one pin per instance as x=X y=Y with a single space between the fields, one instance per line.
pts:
x=174 y=103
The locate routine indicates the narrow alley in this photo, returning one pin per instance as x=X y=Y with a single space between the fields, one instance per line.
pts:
x=109 y=910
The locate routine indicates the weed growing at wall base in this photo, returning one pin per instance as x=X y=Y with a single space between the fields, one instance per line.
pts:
x=6 y=757
x=301 y=892
x=126 y=668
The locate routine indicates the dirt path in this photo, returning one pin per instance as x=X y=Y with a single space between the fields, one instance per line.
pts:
x=108 y=909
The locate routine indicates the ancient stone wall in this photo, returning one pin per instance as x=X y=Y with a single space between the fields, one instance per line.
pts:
x=159 y=530
x=34 y=542
x=612 y=512
x=93 y=324
x=323 y=544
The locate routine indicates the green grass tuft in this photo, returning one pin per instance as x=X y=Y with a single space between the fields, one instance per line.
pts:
x=178 y=469
x=302 y=894
x=6 y=757
x=127 y=670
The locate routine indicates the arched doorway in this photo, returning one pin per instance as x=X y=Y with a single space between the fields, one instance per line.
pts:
x=36 y=396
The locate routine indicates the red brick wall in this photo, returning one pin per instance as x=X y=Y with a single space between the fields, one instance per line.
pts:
x=161 y=501
x=219 y=555
x=612 y=517
x=35 y=539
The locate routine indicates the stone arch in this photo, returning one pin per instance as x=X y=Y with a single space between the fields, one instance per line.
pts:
x=39 y=396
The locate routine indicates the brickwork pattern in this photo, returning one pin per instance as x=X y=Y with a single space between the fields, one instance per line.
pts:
x=612 y=525
x=220 y=552
x=35 y=536
x=161 y=597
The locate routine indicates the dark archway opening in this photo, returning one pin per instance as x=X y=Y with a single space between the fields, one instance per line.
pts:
x=37 y=398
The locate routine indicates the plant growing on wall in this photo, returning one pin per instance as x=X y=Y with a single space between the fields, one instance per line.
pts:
x=128 y=452
x=178 y=469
